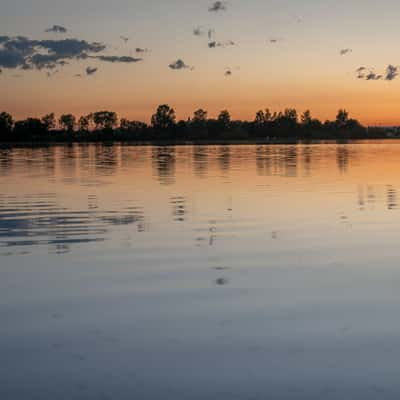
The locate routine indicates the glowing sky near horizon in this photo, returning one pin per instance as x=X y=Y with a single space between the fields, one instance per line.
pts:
x=304 y=69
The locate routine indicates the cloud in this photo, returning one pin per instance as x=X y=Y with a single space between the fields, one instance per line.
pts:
x=91 y=70
x=213 y=44
x=372 y=76
x=275 y=40
x=23 y=53
x=343 y=52
x=57 y=29
x=217 y=6
x=141 y=50
x=179 y=64
x=391 y=72
x=49 y=74
x=228 y=72
x=117 y=59
x=198 y=31
x=124 y=38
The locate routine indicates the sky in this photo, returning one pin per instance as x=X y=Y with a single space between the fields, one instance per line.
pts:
x=260 y=54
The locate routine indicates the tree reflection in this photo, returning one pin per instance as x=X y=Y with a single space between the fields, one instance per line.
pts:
x=164 y=164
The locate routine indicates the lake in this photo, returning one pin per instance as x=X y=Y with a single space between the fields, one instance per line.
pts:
x=200 y=272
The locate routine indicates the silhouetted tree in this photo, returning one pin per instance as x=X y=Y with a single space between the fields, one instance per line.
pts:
x=105 y=119
x=342 y=118
x=6 y=125
x=164 y=118
x=306 y=118
x=260 y=118
x=49 y=121
x=200 y=116
x=135 y=129
x=279 y=125
x=30 y=129
x=84 y=122
x=67 y=122
x=224 y=119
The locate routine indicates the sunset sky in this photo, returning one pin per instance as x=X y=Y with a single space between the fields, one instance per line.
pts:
x=286 y=53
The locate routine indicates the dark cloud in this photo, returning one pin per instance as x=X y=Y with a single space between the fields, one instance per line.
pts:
x=141 y=50
x=372 y=76
x=392 y=72
x=23 y=53
x=343 y=52
x=275 y=40
x=116 y=59
x=217 y=6
x=215 y=44
x=91 y=70
x=49 y=74
x=198 y=31
x=124 y=38
x=361 y=72
x=179 y=64
x=57 y=29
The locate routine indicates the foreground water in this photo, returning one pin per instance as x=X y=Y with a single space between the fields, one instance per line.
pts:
x=200 y=272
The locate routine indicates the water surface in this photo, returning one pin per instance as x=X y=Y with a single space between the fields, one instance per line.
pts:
x=200 y=272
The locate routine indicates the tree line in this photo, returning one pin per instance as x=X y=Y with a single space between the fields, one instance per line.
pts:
x=106 y=126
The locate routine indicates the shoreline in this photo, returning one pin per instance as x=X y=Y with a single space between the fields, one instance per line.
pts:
x=23 y=144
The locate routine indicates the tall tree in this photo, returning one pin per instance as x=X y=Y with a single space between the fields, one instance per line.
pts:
x=342 y=118
x=6 y=124
x=67 y=122
x=224 y=119
x=164 y=118
x=49 y=121
x=105 y=119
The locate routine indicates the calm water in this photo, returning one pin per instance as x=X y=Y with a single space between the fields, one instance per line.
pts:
x=200 y=272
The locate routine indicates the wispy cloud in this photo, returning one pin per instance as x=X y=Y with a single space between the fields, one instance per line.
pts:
x=91 y=70
x=214 y=44
x=391 y=73
x=218 y=6
x=57 y=29
x=141 y=50
x=275 y=40
x=343 y=52
x=179 y=64
x=198 y=31
x=118 y=59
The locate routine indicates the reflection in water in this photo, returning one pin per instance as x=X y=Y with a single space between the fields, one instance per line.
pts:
x=164 y=162
x=179 y=208
x=200 y=161
x=391 y=193
x=221 y=281
x=40 y=220
x=240 y=259
x=224 y=158
x=342 y=158
x=263 y=160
